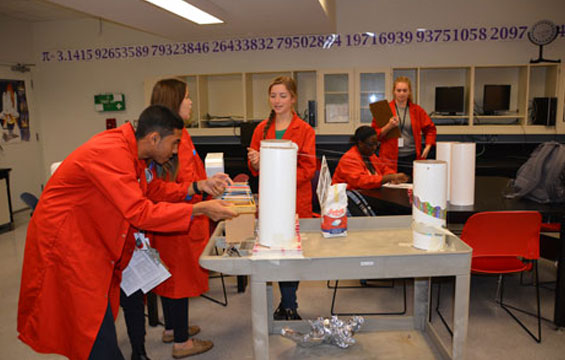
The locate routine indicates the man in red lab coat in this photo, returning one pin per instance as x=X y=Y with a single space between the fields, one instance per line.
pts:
x=80 y=237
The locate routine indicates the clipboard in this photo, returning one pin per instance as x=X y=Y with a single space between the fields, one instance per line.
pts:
x=382 y=113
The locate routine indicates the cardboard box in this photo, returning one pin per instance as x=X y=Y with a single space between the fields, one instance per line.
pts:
x=240 y=228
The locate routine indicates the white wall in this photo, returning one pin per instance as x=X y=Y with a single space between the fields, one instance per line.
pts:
x=64 y=90
x=23 y=158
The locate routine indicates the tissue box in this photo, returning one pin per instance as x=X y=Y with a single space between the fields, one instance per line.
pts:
x=214 y=164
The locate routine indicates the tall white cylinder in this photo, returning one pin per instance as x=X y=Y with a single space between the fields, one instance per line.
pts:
x=277 y=193
x=443 y=153
x=463 y=174
x=429 y=204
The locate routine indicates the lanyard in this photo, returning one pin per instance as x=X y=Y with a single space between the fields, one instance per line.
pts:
x=403 y=121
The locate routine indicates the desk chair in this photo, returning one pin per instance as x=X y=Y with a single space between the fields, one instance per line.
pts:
x=30 y=200
x=221 y=277
x=504 y=242
x=367 y=284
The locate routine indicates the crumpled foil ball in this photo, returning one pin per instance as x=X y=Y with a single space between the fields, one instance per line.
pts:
x=327 y=330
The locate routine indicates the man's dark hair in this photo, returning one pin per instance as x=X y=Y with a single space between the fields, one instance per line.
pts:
x=158 y=118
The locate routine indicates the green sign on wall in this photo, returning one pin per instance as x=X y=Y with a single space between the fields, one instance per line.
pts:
x=109 y=102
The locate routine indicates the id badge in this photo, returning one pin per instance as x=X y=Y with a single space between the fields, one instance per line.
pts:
x=401 y=142
x=141 y=241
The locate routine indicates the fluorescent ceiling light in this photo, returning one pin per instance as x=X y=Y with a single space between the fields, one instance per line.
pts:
x=187 y=11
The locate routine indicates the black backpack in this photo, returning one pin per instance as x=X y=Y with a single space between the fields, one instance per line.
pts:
x=542 y=177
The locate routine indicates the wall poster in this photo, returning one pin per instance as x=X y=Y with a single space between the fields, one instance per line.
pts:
x=14 y=117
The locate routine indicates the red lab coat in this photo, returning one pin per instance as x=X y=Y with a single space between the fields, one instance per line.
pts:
x=180 y=251
x=352 y=170
x=421 y=124
x=79 y=241
x=302 y=134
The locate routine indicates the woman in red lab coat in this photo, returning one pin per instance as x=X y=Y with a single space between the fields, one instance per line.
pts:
x=399 y=153
x=284 y=123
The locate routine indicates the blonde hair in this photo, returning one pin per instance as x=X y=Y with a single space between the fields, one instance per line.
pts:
x=406 y=80
x=290 y=86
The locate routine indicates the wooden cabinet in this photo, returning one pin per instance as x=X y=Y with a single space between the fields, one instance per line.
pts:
x=337 y=101
x=525 y=83
x=371 y=87
x=345 y=97
x=221 y=101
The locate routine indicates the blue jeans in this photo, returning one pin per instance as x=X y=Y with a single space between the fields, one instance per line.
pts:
x=288 y=294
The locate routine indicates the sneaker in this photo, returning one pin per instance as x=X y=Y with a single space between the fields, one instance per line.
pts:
x=170 y=337
x=198 y=347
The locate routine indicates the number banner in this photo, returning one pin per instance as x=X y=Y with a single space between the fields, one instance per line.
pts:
x=296 y=42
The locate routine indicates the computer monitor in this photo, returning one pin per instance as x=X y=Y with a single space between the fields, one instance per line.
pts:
x=496 y=98
x=450 y=100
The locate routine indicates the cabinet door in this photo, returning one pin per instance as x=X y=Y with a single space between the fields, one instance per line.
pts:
x=336 y=102
x=371 y=87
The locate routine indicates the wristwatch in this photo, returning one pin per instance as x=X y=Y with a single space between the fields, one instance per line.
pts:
x=197 y=191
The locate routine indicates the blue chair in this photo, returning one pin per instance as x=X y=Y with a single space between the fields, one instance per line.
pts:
x=30 y=200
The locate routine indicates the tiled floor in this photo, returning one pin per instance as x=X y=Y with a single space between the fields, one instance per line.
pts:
x=492 y=333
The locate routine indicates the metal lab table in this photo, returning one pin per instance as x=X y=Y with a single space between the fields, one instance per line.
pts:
x=375 y=248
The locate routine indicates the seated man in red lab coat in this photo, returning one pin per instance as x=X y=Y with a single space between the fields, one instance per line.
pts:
x=80 y=237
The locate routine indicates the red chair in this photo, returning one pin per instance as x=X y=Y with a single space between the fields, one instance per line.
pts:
x=551 y=227
x=505 y=242
x=241 y=178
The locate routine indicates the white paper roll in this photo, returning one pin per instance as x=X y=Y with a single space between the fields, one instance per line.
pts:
x=429 y=203
x=277 y=193
x=462 y=174
x=443 y=152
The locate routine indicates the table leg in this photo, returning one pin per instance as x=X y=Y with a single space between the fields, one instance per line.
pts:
x=270 y=320
x=460 y=315
x=259 y=319
x=421 y=302
x=559 y=309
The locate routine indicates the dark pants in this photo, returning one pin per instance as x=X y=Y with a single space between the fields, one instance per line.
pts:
x=405 y=165
x=134 y=314
x=106 y=344
x=288 y=294
x=175 y=312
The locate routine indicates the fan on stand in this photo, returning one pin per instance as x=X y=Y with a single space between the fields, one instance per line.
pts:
x=542 y=33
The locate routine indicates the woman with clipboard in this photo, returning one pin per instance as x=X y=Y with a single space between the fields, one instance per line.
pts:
x=410 y=122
